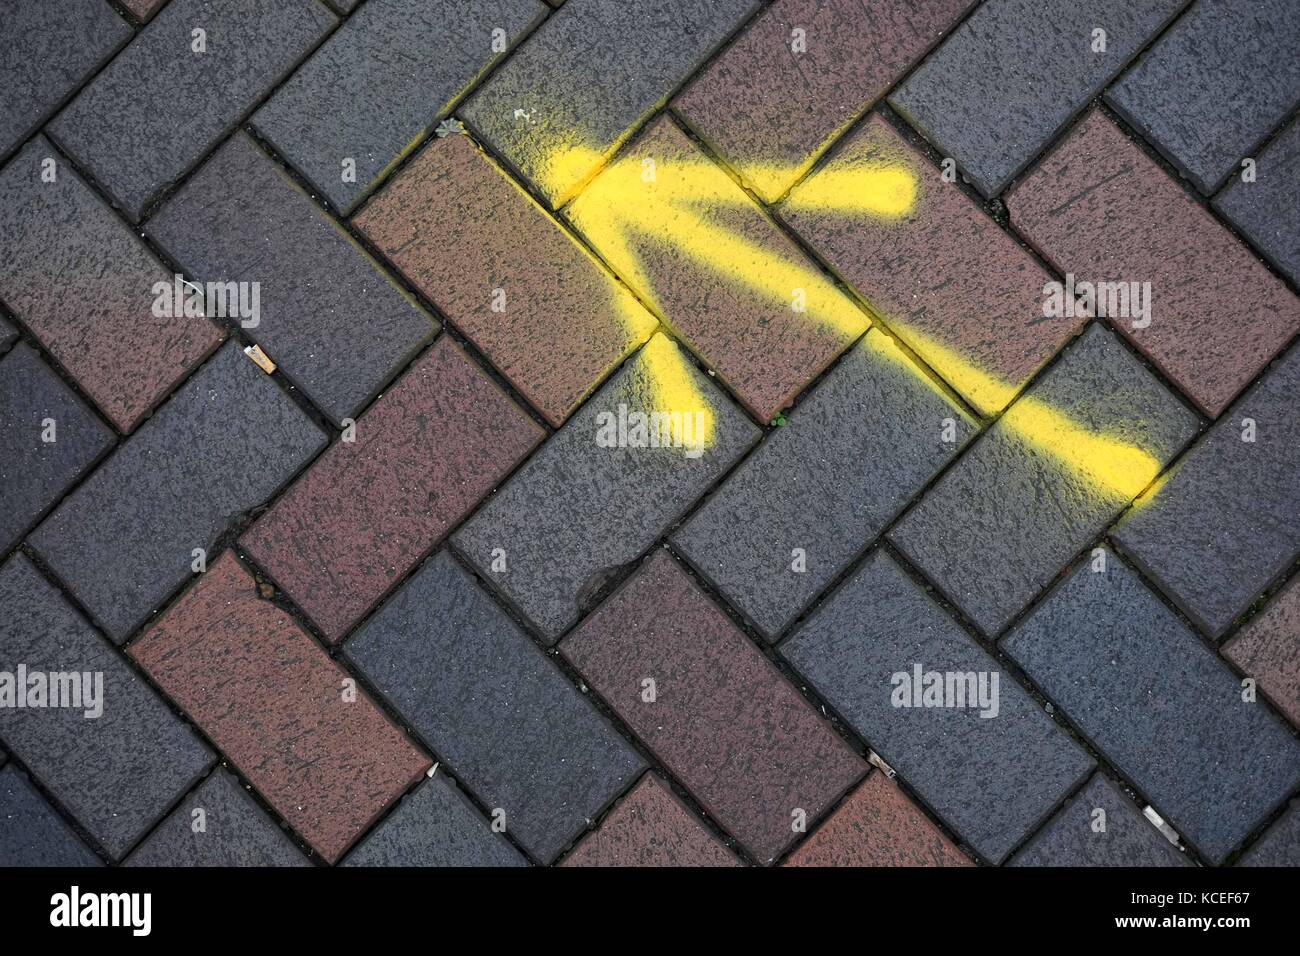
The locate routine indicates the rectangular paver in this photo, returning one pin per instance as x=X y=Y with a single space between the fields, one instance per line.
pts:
x=31 y=831
x=1159 y=705
x=489 y=703
x=424 y=455
x=326 y=314
x=288 y=717
x=1267 y=210
x=171 y=95
x=224 y=443
x=720 y=716
x=1046 y=479
x=1268 y=649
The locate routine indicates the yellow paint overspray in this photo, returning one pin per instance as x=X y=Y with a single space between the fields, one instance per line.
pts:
x=672 y=389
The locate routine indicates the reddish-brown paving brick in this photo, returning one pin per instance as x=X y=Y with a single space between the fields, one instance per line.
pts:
x=270 y=698
x=877 y=826
x=1268 y=649
x=1099 y=208
x=526 y=293
x=650 y=827
x=425 y=453
x=143 y=9
x=937 y=269
x=770 y=109
x=723 y=720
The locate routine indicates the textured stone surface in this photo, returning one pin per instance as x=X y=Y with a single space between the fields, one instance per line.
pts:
x=231 y=830
x=223 y=444
x=31 y=832
x=143 y=9
x=1159 y=705
x=1226 y=521
x=490 y=704
x=367 y=511
x=592 y=73
x=1099 y=208
x=1268 y=649
x=774 y=100
x=993 y=779
x=460 y=229
x=1215 y=84
x=877 y=826
x=34 y=472
x=706 y=259
x=331 y=320
x=435 y=826
x=1045 y=480
x=723 y=720
x=159 y=107
x=939 y=272
x=650 y=827
x=578 y=511
x=57 y=241
x=319 y=750
x=1267 y=211
x=1280 y=844
x=1080 y=836
x=117 y=773
x=850 y=457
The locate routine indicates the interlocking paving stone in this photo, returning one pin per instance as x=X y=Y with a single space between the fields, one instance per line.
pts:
x=877 y=826
x=31 y=831
x=1100 y=209
x=705 y=257
x=377 y=87
x=328 y=316
x=435 y=826
x=593 y=72
x=1268 y=649
x=1079 y=836
x=941 y=274
x=46 y=50
x=460 y=229
x=578 y=511
x=143 y=9
x=117 y=773
x=1159 y=705
x=1215 y=84
x=223 y=444
x=1280 y=844
x=992 y=779
x=34 y=473
x=232 y=830
x=490 y=703
x=319 y=750
x=723 y=720
x=57 y=240
x=849 y=459
x=1013 y=74
x=775 y=99
x=1044 y=480
x=159 y=107
x=1267 y=211
x=365 y=513
x=1216 y=531
x=650 y=827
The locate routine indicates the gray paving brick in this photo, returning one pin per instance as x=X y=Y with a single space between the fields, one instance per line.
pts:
x=993 y=779
x=1117 y=836
x=232 y=830
x=1280 y=843
x=578 y=511
x=1267 y=211
x=1013 y=74
x=378 y=86
x=435 y=826
x=1159 y=704
x=488 y=702
x=1226 y=522
x=850 y=457
x=35 y=406
x=1045 y=480
x=582 y=83
x=223 y=444
x=330 y=318
x=149 y=116
x=31 y=832
x=1215 y=84
x=116 y=773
